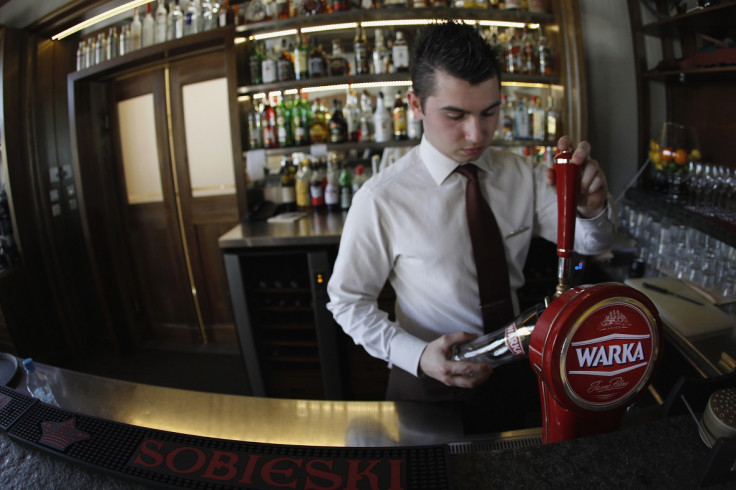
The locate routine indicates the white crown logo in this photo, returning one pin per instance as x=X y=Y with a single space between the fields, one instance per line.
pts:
x=615 y=319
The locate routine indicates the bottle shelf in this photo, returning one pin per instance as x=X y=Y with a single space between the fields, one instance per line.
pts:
x=386 y=15
x=714 y=17
x=377 y=81
x=711 y=73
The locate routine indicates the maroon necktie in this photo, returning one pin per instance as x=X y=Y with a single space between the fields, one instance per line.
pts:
x=490 y=259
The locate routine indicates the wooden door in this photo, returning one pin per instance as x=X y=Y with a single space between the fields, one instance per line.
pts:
x=177 y=193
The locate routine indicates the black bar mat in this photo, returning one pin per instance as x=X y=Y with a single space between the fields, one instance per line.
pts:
x=169 y=459
x=12 y=406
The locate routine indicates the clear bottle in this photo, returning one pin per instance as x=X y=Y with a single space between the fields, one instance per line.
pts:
x=506 y=120
x=332 y=187
x=159 y=32
x=89 y=54
x=522 y=131
x=506 y=344
x=360 y=48
x=400 y=53
x=81 y=58
x=512 y=51
x=381 y=121
x=124 y=40
x=366 y=110
x=101 y=48
x=136 y=31
x=401 y=124
x=208 y=16
x=538 y=119
x=528 y=53
x=191 y=18
x=255 y=130
x=175 y=28
x=544 y=55
x=226 y=15
x=352 y=114
x=269 y=67
x=147 y=30
x=38 y=384
x=414 y=125
x=113 y=43
x=553 y=125
x=381 y=55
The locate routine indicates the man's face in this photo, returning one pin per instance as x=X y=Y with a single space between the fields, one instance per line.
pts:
x=459 y=118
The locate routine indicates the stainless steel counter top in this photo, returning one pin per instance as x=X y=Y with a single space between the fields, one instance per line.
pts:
x=315 y=229
x=264 y=420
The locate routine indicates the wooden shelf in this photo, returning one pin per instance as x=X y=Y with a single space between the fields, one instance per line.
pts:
x=711 y=73
x=717 y=16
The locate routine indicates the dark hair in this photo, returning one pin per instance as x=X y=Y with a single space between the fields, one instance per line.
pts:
x=457 y=49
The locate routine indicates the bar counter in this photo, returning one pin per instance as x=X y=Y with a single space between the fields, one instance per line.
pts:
x=658 y=452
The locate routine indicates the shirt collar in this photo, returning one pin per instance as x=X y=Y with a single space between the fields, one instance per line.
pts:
x=440 y=167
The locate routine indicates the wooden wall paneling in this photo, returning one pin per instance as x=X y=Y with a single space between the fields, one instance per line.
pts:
x=642 y=85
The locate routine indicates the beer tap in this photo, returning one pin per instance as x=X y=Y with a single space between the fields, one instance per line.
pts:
x=567 y=178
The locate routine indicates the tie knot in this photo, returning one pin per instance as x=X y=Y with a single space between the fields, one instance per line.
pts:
x=468 y=170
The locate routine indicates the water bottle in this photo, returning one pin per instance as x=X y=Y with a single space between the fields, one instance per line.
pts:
x=38 y=384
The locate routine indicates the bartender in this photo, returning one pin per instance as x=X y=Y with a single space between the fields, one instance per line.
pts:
x=410 y=225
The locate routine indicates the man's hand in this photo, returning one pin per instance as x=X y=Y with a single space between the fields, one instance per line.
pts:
x=593 y=185
x=435 y=362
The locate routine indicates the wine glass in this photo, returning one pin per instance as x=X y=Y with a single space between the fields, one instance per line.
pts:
x=678 y=147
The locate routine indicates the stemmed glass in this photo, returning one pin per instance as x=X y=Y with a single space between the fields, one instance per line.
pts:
x=678 y=147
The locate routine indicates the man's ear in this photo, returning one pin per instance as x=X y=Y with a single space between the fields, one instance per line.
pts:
x=415 y=104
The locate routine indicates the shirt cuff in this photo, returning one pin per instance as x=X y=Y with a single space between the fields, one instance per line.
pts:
x=406 y=351
x=603 y=215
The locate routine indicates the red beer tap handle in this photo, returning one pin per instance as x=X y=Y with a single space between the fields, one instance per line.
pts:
x=567 y=177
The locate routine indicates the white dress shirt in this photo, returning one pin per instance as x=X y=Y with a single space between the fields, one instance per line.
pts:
x=408 y=224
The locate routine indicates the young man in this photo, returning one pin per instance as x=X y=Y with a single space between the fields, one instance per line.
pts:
x=408 y=224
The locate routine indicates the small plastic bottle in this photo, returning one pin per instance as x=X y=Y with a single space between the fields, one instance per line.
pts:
x=37 y=383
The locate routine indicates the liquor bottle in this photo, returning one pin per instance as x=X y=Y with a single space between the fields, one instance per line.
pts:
x=226 y=15
x=113 y=43
x=318 y=131
x=288 y=185
x=419 y=4
x=100 y=48
x=381 y=121
x=352 y=116
x=512 y=4
x=338 y=66
x=268 y=123
x=332 y=187
x=303 y=177
x=339 y=5
x=301 y=59
x=269 y=67
x=538 y=6
x=208 y=16
x=338 y=127
x=89 y=52
x=346 y=188
x=521 y=121
x=136 y=28
x=175 y=28
x=300 y=116
x=255 y=129
x=509 y=343
x=381 y=54
x=282 y=9
x=512 y=51
x=401 y=127
x=285 y=67
x=191 y=18
x=317 y=63
x=124 y=40
x=366 y=109
x=544 y=55
x=37 y=383
x=506 y=120
x=314 y=7
x=257 y=56
x=317 y=187
x=538 y=119
x=359 y=178
x=400 y=53
x=413 y=125
x=360 y=47
x=257 y=11
x=283 y=122
x=528 y=54
x=147 y=28
x=553 y=124
x=159 y=29
x=81 y=60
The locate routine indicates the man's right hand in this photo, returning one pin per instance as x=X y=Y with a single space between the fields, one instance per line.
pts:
x=435 y=362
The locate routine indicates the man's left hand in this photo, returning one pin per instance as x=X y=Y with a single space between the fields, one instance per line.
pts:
x=593 y=184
